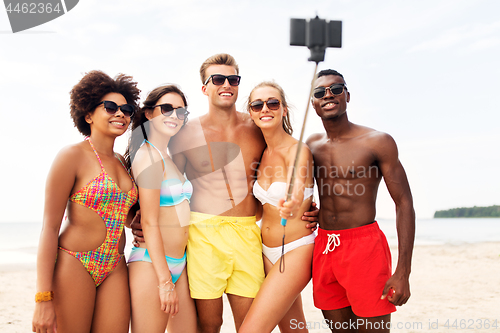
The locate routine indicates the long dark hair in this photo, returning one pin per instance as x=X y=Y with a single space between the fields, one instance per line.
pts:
x=138 y=136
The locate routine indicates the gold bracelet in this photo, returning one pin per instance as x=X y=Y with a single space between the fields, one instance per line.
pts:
x=167 y=290
x=44 y=296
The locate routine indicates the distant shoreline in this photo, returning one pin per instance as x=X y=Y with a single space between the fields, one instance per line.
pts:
x=466 y=217
x=469 y=212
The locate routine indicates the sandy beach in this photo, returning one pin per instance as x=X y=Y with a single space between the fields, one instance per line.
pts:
x=455 y=288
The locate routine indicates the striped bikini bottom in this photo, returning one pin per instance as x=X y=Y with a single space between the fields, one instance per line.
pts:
x=176 y=266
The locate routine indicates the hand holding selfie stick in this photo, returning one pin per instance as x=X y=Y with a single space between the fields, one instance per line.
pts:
x=317 y=34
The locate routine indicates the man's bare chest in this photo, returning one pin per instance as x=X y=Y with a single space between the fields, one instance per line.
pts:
x=344 y=161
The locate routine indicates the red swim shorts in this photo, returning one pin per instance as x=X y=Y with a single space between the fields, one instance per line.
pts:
x=350 y=268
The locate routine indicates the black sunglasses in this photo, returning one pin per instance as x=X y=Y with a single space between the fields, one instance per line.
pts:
x=168 y=109
x=219 y=79
x=272 y=104
x=111 y=108
x=335 y=89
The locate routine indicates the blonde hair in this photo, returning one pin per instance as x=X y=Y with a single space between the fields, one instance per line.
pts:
x=286 y=119
x=218 y=59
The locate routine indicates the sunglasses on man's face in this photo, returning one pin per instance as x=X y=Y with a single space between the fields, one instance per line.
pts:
x=111 y=108
x=272 y=104
x=168 y=109
x=219 y=79
x=335 y=89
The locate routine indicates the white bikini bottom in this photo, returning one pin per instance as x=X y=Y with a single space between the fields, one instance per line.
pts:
x=274 y=253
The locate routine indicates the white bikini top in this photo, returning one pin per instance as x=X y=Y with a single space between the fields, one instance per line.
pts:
x=275 y=192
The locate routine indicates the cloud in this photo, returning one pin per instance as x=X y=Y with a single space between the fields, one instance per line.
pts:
x=477 y=37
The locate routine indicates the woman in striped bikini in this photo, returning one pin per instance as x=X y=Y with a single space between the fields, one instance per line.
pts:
x=158 y=281
x=86 y=289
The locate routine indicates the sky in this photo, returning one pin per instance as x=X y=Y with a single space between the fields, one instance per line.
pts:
x=426 y=72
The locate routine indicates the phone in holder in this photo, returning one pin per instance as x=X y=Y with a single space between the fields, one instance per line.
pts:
x=317 y=34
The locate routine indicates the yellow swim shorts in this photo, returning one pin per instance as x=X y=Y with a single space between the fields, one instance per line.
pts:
x=224 y=254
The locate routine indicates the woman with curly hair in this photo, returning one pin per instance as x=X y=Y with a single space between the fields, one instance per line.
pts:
x=158 y=279
x=82 y=281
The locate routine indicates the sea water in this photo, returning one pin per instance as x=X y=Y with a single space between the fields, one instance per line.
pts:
x=454 y=231
x=20 y=240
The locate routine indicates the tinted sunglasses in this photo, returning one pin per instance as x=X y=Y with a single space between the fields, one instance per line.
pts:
x=335 y=89
x=168 y=109
x=272 y=104
x=111 y=108
x=219 y=79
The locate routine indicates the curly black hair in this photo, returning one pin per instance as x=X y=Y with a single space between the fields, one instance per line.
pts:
x=326 y=72
x=87 y=93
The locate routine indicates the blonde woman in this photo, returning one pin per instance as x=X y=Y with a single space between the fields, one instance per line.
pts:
x=278 y=301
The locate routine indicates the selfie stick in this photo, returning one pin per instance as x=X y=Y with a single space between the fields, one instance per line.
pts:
x=317 y=35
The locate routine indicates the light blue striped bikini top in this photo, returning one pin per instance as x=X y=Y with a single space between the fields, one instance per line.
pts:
x=173 y=191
